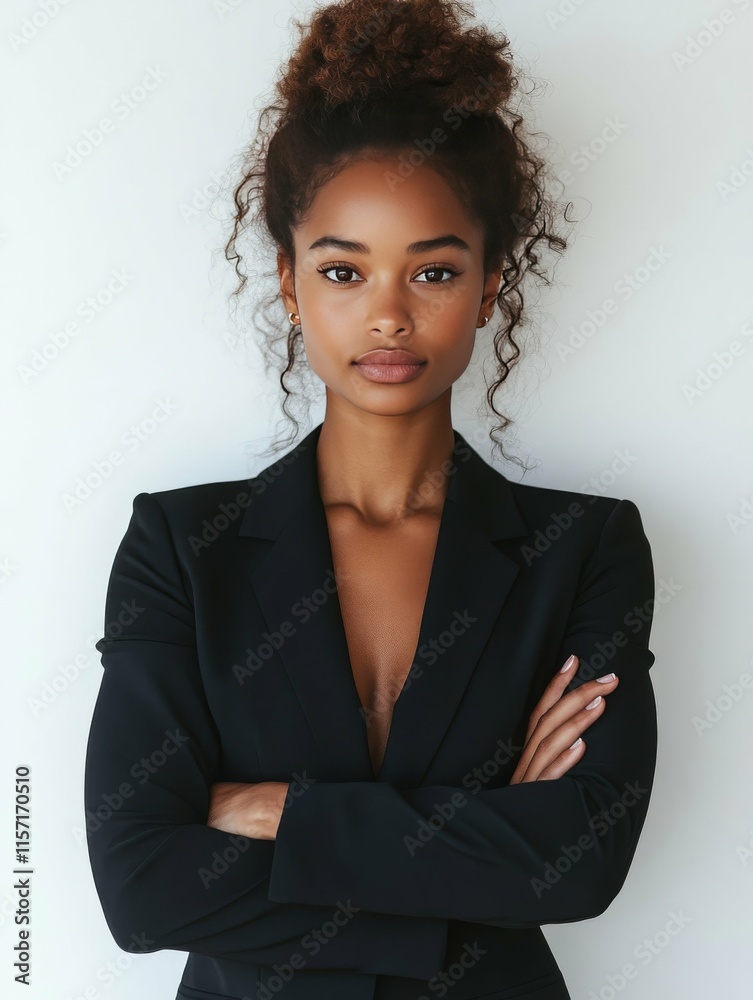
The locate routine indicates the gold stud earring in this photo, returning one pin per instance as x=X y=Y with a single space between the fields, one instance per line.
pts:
x=294 y=318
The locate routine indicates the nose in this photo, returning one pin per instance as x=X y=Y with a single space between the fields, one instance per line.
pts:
x=390 y=317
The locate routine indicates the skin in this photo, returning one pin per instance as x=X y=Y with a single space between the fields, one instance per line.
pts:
x=380 y=442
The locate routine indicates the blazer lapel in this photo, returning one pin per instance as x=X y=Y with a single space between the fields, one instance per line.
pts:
x=295 y=586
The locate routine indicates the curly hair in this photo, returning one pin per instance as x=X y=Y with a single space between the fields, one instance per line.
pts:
x=373 y=76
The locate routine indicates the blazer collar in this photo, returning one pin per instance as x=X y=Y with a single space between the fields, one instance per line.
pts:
x=293 y=583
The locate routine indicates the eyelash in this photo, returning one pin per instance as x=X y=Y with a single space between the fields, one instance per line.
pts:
x=339 y=266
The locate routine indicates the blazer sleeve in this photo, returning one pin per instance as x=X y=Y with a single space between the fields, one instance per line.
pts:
x=519 y=855
x=164 y=878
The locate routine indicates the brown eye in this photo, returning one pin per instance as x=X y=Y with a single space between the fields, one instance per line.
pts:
x=342 y=274
x=434 y=275
x=435 y=271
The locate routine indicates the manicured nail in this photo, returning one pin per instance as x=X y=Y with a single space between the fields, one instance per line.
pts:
x=595 y=702
x=568 y=663
x=605 y=679
x=574 y=745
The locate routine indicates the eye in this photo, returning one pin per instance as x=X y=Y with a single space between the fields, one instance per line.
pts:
x=343 y=268
x=437 y=269
x=340 y=270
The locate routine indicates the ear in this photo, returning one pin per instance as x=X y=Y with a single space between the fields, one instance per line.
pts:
x=491 y=291
x=287 y=282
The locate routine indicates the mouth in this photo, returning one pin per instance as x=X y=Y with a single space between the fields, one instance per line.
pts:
x=389 y=356
x=389 y=365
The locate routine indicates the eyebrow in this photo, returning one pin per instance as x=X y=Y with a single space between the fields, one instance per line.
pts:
x=421 y=246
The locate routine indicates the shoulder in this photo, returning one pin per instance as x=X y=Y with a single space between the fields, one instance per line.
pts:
x=543 y=501
x=192 y=514
x=579 y=521
x=204 y=498
x=544 y=504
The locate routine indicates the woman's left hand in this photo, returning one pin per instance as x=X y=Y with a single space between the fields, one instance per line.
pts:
x=249 y=810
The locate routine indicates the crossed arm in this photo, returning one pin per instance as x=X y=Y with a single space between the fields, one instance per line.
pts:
x=553 y=745
x=497 y=859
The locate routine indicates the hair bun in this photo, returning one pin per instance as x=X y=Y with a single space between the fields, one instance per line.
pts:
x=354 y=51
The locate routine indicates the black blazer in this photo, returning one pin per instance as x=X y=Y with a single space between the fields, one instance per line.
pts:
x=225 y=659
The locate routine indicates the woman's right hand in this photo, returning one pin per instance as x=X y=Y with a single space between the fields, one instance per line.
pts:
x=557 y=720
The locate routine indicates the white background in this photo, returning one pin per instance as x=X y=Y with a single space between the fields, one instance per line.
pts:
x=675 y=180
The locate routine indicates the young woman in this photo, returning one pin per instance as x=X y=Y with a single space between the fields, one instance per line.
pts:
x=352 y=739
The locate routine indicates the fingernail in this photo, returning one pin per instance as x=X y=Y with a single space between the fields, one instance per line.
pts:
x=568 y=663
x=595 y=702
x=605 y=679
x=572 y=747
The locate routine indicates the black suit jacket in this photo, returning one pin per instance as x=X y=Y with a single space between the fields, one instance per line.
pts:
x=225 y=659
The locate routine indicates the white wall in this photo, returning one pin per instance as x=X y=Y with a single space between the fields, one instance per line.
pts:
x=676 y=180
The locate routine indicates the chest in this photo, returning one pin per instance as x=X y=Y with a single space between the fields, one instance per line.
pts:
x=382 y=578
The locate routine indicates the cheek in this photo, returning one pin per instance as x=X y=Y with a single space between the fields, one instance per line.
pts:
x=452 y=330
x=461 y=352
x=324 y=348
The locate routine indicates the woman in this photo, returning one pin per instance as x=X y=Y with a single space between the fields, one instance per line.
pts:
x=337 y=751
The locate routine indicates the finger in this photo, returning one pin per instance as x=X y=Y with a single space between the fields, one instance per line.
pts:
x=564 y=709
x=559 y=766
x=572 y=702
x=553 y=691
x=561 y=725
x=559 y=741
x=562 y=764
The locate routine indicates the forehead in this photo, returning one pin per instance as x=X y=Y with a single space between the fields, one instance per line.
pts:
x=386 y=202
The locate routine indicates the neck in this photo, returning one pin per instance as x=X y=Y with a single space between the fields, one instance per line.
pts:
x=385 y=467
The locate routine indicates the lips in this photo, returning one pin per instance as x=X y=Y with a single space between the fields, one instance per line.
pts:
x=389 y=357
x=389 y=366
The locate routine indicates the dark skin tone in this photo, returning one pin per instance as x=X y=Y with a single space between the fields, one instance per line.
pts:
x=383 y=446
